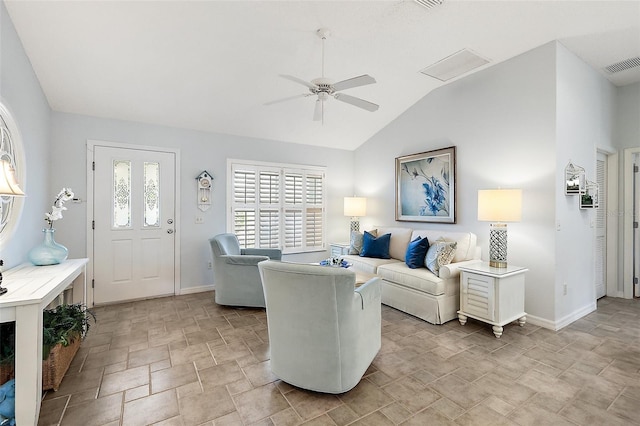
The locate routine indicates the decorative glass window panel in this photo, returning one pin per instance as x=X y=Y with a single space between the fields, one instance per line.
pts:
x=151 y=194
x=121 y=194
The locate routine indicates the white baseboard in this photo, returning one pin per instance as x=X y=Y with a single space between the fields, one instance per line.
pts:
x=562 y=322
x=199 y=289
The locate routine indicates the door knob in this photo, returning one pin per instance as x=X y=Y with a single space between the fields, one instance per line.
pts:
x=169 y=231
x=169 y=221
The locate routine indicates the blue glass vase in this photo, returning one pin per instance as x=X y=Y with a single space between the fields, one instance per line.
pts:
x=49 y=252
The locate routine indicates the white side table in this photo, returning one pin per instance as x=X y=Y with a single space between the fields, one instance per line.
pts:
x=339 y=249
x=492 y=295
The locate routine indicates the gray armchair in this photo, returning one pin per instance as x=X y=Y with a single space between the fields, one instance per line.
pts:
x=323 y=332
x=235 y=271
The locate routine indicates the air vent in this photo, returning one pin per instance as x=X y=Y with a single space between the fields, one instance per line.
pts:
x=623 y=65
x=429 y=3
x=455 y=65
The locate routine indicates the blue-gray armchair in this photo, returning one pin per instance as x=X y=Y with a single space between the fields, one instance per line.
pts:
x=235 y=271
x=323 y=332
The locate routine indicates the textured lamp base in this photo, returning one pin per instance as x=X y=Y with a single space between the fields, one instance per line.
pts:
x=355 y=224
x=498 y=245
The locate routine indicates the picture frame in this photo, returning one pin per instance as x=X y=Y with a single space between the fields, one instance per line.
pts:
x=426 y=186
x=574 y=178
x=589 y=197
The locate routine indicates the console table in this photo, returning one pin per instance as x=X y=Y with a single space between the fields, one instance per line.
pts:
x=492 y=295
x=30 y=290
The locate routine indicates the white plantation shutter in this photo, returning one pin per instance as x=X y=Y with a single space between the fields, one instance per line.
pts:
x=277 y=207
x=314 y=210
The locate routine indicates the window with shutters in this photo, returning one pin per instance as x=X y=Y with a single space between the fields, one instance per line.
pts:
x=277 y=206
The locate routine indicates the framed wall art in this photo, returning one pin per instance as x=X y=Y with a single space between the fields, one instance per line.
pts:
x=426 y=186
x=574 y=179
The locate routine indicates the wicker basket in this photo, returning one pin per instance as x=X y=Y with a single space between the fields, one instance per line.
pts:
x=7 y=372
x=54 y=367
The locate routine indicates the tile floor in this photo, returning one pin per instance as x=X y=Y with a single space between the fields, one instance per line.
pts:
x=187 y=361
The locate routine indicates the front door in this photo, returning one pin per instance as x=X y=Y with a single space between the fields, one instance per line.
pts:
x=134 y=213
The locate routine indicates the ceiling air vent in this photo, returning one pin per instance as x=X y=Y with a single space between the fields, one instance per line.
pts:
x=623 y=65
x=429 y=3
x=455 y=65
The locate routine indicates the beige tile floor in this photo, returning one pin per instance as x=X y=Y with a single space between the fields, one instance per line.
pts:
x=187 y=361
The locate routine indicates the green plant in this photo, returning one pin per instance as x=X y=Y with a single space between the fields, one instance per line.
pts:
x=63 y=324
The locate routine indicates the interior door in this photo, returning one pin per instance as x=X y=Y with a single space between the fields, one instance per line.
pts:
x=134 y=211
x=601 y=228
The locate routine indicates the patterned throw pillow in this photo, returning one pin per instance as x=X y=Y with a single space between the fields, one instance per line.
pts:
x=439 y=254
x=355 y=244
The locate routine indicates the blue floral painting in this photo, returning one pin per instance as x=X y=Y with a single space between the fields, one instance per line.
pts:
x=425 y=186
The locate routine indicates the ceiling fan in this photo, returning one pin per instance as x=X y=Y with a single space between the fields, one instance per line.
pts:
x=323 y=88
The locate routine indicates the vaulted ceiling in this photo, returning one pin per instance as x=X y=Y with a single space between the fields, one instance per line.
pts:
x=212 y=65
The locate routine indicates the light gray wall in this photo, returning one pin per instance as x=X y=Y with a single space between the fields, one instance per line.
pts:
x=502 y=121
x=21 y=93
x=585 y=120
x=198 y=151
x=627 y=116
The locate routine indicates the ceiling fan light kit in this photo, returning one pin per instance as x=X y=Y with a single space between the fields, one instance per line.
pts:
x=323 y=87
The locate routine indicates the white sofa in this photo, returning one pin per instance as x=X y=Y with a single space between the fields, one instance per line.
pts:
x=419 y=292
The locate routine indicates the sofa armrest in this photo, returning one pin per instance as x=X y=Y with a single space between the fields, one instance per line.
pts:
x=370 y=292
x=451 y=270
x=243 y=260
x=273 y=254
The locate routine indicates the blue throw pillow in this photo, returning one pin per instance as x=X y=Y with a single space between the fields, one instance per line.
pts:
x=376 y=247
x=416 y=251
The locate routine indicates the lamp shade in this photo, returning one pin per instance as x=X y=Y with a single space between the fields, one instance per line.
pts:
x=355 y=206
x=8 y=184
x=500 y=205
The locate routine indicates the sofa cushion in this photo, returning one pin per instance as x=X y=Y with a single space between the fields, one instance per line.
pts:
x=368 y=265
x=416 y=252
x=375 y=246
x=466 y=248
x=400 y=238
x=420 y=279
x=439 y=254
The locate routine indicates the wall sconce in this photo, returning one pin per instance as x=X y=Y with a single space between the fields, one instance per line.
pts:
x=499 y=206
x=355 y=207
x=8 y=188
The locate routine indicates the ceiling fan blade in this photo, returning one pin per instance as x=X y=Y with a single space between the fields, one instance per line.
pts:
x=299 y=81
x=354 y=82
x=286 y=99
x=360 y=103
x=317 y=112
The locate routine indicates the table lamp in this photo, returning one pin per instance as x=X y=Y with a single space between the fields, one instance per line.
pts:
x=355 y=207
x=499 y=206
x=8 y=188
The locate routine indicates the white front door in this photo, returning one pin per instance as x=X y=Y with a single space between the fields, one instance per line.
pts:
x=601 y=227
x=134 y=224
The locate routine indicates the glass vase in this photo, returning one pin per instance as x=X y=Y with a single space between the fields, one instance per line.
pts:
x=48 y=252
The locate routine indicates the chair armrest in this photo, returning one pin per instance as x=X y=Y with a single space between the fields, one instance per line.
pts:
x=451 y=270
x=370 y=292
x=246 y=260
x=273 y=254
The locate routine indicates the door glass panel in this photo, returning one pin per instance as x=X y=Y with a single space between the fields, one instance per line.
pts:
x=121 y=194
x=151 y=194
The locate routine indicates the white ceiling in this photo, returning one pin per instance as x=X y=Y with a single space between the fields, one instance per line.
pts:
x=211 y=65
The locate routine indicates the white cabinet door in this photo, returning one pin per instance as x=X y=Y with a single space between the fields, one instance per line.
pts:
x=477 y=297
